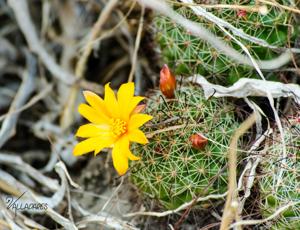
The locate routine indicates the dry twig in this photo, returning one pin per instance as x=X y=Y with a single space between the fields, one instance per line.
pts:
x=68 y=112
x=237 y=32
x=180 y=208
x=274 y=215
x=220 y=45
x=137 y=45
x=231 y=206
x=27 y=87
x=20 y=8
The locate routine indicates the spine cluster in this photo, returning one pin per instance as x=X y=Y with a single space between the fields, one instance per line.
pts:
x=280 y=182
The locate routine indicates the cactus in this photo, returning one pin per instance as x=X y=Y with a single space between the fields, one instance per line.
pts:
x=188 y=54
x=279 y=191
x=171 y=170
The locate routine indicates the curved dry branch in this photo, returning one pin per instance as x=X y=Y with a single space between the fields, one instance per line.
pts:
x=199 y=31
x=20 y=8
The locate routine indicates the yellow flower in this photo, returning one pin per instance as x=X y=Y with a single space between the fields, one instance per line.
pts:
x=114 y=124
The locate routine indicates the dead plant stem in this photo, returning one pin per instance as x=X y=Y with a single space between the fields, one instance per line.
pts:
x=231 y=206
x=67 y=115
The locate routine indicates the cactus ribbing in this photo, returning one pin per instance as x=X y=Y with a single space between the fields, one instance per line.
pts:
x=188 y=54
x=171 y=170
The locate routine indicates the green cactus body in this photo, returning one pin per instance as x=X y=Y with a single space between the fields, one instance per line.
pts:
x=188 y=54
x=171 y=170
x=279 y=191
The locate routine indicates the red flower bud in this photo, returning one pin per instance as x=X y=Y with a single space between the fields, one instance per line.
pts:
x=167 y=82
x=198 y=141
x=242 y=13
x=139 y=108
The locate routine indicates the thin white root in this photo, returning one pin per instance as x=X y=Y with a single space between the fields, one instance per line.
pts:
x=247 y=177
x=199 y=31
x=180 y=208
x=274 y=215
x=237 y=32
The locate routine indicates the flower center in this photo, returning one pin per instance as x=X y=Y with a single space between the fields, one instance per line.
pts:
x=118 y=127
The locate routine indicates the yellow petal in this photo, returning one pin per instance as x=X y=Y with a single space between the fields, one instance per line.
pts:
x=92 y=144
x=111 y=103
x=132 y=157
x=137 y=120
x=92 y=130
x=120 y=160
x=96 y=102
x=105 y=144
x=91 y=114
x=127 y=108
x=138 y=136
x=124 y=143
x=126 y=92
x=125 y=95
x=131 y=105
